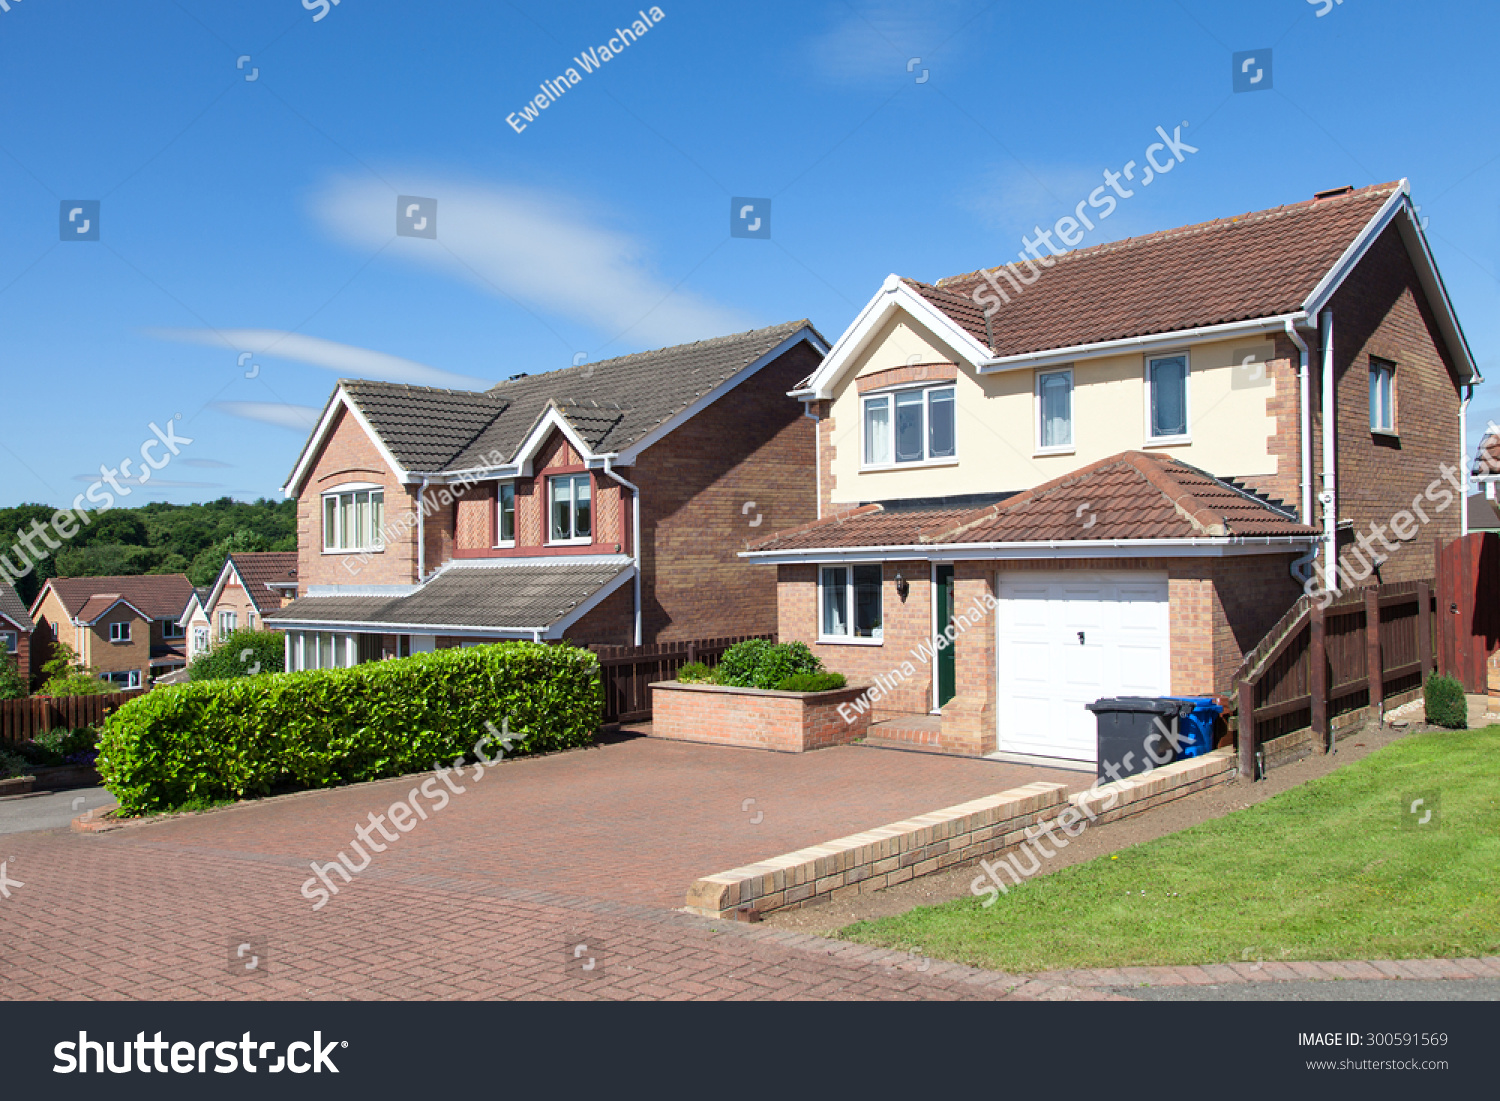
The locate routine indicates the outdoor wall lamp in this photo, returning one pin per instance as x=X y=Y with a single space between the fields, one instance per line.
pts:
x=903 y=586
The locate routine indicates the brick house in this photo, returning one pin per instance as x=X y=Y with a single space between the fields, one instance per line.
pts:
x=601 y=503
x=126 y=628
x=1096 y=471
x=250 y=587
x=16 y=629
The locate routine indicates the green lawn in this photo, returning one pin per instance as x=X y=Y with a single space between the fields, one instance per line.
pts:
x=1331 y=870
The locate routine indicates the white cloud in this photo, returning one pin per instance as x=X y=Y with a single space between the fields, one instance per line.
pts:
x=346 y=360
x=153 y=483
x=876 y=41
x=300 y=418
x=541 y=250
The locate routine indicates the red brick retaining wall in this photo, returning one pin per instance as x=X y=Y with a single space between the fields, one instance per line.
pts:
x=789 y=722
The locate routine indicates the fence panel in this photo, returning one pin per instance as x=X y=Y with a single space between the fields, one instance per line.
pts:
x=628 y=671
x=22 y=720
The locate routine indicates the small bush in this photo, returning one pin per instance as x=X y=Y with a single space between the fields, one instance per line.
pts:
x=243 y=653
x=61 y=747
x=12 y=765
x=13 y=685
x=1446 y=705
x=757 y=663
x=812 y=682
x=226 y=739
x=695 y=672
x=67 y=676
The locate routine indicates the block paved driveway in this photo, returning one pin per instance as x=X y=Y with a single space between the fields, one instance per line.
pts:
x=539 y=868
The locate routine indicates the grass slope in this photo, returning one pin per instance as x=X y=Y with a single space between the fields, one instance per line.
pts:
x=1336 y=869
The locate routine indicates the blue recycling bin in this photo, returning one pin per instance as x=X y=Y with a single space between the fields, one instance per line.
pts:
x=1196 y=728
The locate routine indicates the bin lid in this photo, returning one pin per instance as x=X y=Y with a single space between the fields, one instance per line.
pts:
x=1150 y=705
x=1203 y=703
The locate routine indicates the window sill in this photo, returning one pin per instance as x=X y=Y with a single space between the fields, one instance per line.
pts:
x=1169 y=441
x=1385 y=433
x=570 y=543
x=845 y=640
x=509 y=544
x=353 y=550
x=1044 y=451
x=923 y=465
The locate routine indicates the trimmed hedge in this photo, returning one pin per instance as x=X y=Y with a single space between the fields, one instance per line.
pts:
x=1445 y=702
x=216 y=740
x=812 y=682
x=758 y=663
x=243 y=653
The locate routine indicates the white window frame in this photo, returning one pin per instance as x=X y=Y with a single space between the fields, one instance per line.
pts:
x=202 y=639
x=171 y=629
x=850 y=639
x=228 y=624
x=332 y=541
x=1388 y=413
x=1054 y=449
x=571 y=479
x=500 y=540
x=889 y=396
x=132 y=679
x=10 y=642
x=119 y=632
x=1187 y=399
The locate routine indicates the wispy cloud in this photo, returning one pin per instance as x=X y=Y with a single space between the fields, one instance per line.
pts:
x=154 y=483
x=214 y=464
x=299 y=418
x=874 y=41
x=541 y=250
x=346 y=360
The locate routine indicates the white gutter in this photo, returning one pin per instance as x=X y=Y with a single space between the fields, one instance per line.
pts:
x=1055 y=548
x=635 y=540
x=1463 y=454
x=1140 y=343
x=1306 y=412
x=1329 y=497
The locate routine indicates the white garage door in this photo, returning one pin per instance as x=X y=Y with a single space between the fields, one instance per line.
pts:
x=1068 y=639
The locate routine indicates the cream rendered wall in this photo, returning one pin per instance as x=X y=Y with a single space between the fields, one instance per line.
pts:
x=1228 y=418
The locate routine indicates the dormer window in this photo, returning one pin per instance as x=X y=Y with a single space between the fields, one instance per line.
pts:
x=909 y=426
x=571 y=511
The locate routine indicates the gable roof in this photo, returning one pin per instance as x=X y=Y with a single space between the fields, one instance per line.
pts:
x=257 y=571
x=13 y=609
x=155 y=596
x=1249 y=273
x=1129 y=497
x=1487 y=460
x=100 y=605
x=605 y=407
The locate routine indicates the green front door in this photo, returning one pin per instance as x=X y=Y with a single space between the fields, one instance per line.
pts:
x=947 y=671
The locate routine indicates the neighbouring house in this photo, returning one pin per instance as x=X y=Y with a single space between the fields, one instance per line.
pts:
x=127 y=628
x=1110 y=471
x=250 y=587
x=1482 y=513
x=196 y=626
x=16 y=629
x=603 y=503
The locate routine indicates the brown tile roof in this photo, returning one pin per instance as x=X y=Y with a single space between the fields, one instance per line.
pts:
x=1232 y=269
x=1487 y=459
x=260 y=570
x=611 y=404
x=1133 y=495
x=12 y=608
x=160 y=596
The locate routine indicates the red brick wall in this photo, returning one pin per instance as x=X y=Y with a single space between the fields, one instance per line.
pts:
x=611 y=623
x=1381 y=312
x=753 y=445
x=1284 y=404
x=789 y=723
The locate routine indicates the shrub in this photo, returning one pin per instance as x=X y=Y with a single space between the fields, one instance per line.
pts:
x=12 y=765
x=1446 y=705
x=13 y=684
x=695 y=672
x=226 y=739
x=812 y=682
x=60 y=747
x=757 y=663
x=242 y=653
x=67 y=676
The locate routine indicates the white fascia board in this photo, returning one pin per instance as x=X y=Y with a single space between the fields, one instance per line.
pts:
x=521 y=460
x=340 y=400
x=1154 y=341
x=1061 y=548
x=23 y=630
x=223 y=579
x=1330 y=283
x=366 y=627
x=194 y=606
x=112 y=607
x=531 y=560
x=893 y=295
x=629 y=456
x=557 y=629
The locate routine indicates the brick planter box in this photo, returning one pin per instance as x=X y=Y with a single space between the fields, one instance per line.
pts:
x=18 y=785
x=755 y=718
x=62 y=777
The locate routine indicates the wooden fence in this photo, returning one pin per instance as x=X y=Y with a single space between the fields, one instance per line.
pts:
x=1319 y=662
x=22 y=720
x=628 y=671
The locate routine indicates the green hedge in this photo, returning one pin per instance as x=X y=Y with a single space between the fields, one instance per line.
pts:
x=759 y=663
x=1445 y=702
x=812 y=682
x=215 y=740
x=242 y=653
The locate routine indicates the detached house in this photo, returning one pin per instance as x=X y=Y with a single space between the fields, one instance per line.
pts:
x=1110 y=472
x=250 y=587
x=603 y=503
x=127 y=628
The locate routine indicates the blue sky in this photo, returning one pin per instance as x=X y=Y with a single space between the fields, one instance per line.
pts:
x=258 y=215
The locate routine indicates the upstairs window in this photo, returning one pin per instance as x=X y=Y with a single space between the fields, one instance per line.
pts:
x=170 y=628
x=909 y=426
x=9 y=642
x=505 y=514
x=353 y=520
x=119 y=632
x=227 y=622
x=1167 y=398
x=1054 y=403
x=1382 y=397
x=572 y=515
